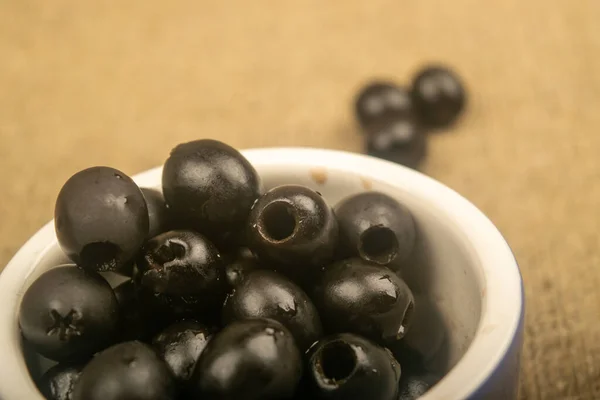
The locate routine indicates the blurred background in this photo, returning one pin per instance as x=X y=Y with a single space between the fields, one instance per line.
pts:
x=118 y=83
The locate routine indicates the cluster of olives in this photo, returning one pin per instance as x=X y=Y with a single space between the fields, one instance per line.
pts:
x=230 y=293
x=396 y=120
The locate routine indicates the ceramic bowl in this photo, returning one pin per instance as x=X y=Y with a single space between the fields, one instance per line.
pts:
x=462 y=265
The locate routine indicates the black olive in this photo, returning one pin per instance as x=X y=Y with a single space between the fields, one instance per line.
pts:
x=183 y=272
x=349 y=367
x=413 y=386
x=58 y=382
x=180 y=345
x=367 y=299
x=158 y=213
x=255 y=359
x=382 y=99
x=439 y=96
x=375 y=227
x=101 y=219
x=399 y=140
x=210 y=187
x=427 y=331
x=293 y=227
x=69 y=313
x=267 y=294
x=240 y=265
x=137 y=321
x=126 y=371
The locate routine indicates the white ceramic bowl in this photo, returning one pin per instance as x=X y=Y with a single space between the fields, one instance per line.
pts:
x=462 y=263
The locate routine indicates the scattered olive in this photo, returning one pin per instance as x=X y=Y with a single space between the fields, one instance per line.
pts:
x=399 y=140
x=293 y=227
x=211 y=187
x=125 y=371
x=439 y=96
x=255 y=359
x=349 y=367
x=69 y=313
x=101 y=219
x=57 y=383
x=180 y=345
x=355 y=296
x=267 y=294
x=158 y=213
x=375 y=227
x=382 y=99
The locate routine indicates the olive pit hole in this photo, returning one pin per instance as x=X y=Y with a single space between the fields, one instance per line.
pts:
x=338 y=361
x=378 y=244
x=278 y=221
x=100 y=256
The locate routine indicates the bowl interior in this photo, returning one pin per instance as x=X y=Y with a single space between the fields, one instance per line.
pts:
x=443 y=272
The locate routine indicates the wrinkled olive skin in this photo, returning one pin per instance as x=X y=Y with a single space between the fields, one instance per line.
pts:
x=181 y=274
x=399 y=140
x=358 y=297
x=180 y=346
x=158 y=213
x=292 y=226
x=181 y=263
x=126 y=371
x=255 y=359
x=349 y=367
x=58 y=382
x=101 y=219
x=69 y=313
x=210 y=187
x=267 y=294
x=382 y=99
x=377 y=228
x=439 y=96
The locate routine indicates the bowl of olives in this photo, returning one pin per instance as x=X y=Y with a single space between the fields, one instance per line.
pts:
x=280 y=273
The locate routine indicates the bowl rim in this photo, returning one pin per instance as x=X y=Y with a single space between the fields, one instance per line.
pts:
x=502 y=304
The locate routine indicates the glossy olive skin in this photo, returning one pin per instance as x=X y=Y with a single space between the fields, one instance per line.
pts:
x=126 y=371
x=367 y=299
x=181 y=274
x=350 y=367
x=158 y=213
x=210 y=187
x=267 y=294
x=400 y=140
x=375 y=227
x=181 y=263
x=180 y=346
x=69 y=313
x=239 y=266
x=292 y=226
x=382 y=99
x=439 y=96
x=58 y=382
x=101 y=219
x=255 y=359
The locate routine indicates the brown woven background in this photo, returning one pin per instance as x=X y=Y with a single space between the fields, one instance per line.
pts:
x=118 y=83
